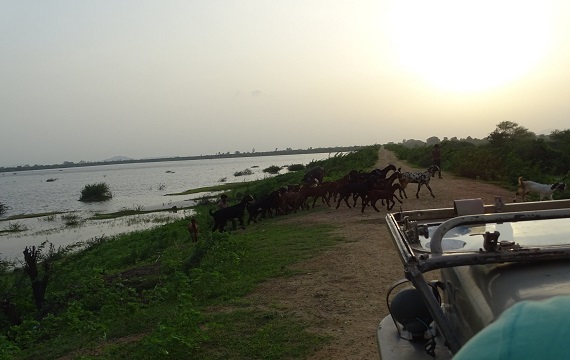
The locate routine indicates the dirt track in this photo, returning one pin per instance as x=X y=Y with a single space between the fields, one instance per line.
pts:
x=342 y=291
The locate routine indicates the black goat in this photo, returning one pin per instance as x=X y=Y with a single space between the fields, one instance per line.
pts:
x=356 y=189
x=317 y=173
x=231 y=212
x=382 y=173
x=263 y=207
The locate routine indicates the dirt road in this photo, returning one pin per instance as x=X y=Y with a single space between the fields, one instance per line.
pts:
x=342 y=291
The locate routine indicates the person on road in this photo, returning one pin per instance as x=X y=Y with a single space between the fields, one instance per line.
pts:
x=436 y=155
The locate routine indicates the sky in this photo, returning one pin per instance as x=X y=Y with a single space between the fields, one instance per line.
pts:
x=89 y=80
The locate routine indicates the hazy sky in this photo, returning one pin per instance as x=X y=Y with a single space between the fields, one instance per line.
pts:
x=89 y=80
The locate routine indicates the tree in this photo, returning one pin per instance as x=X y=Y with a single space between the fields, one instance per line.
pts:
x=560 y=141
x=432 y=140
x=507 y=131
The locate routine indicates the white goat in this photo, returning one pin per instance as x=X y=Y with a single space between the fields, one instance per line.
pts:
x=543 y=190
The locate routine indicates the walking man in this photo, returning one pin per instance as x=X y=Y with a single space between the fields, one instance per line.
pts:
x=436 y=155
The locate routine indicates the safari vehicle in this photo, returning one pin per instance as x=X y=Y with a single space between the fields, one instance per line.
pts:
x=464 y=266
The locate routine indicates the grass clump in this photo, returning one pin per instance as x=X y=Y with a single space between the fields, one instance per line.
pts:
x=96 y=192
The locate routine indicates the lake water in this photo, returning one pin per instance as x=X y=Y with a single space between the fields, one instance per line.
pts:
x=140 y=185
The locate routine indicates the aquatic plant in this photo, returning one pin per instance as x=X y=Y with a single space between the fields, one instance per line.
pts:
x=96 y=192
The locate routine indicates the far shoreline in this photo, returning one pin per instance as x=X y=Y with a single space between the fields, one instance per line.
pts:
x=68 y=164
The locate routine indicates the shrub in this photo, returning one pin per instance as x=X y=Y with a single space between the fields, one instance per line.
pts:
x=296 y=167
x=243 y=172
x=273 y=169
x=96 y=192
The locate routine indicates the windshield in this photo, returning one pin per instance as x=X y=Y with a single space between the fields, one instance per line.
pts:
x=468 y=238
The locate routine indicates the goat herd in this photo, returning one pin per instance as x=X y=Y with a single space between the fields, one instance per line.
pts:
x=368 y=186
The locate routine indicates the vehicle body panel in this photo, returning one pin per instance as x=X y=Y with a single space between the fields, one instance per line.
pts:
x=490 y=257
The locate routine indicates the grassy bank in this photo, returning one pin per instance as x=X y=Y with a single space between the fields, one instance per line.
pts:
x=153 y=294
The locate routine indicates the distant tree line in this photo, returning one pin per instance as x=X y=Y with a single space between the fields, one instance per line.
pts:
x=505 y=154
x=288 y=151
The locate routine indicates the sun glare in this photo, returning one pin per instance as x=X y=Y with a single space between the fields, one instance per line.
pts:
x=468 y=46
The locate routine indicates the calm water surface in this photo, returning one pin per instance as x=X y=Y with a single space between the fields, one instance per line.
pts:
x=143 y=185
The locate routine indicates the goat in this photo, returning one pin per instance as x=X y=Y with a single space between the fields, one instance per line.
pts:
x=378 y=183
x=421 y=178
x=315 y=192
x=543 y=190
x=356 y=189
x=386 y=184
x=383 y=172
x=264 y=206
x=387 y=194
x=289 y=201
x=317 y=173
x=231 y=212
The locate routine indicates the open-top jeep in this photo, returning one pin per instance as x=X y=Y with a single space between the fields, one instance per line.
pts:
x=465 y=265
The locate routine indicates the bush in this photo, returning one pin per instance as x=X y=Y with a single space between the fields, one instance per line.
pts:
x=96 y=192
x=296 y=167
x=273 y=169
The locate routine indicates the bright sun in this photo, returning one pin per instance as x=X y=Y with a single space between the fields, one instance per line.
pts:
x=467 y=46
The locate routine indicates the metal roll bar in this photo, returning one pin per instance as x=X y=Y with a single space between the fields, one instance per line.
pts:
x=441 y=230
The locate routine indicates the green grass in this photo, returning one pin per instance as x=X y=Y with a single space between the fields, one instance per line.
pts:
x=135 y=285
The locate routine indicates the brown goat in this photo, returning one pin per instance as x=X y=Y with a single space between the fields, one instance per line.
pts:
x=385 y=194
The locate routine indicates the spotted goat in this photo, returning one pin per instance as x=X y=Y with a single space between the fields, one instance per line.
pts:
x=420 y=178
